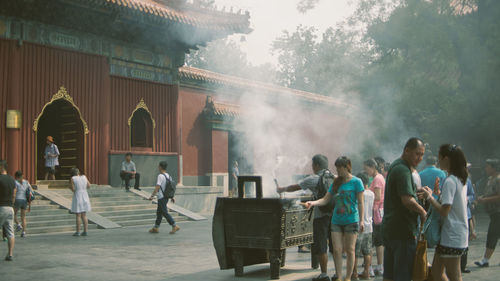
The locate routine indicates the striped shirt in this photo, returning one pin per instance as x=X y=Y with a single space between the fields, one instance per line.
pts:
x=51 y=155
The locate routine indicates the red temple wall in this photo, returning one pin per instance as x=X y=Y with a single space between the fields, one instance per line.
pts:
x=196 y=137
x=41 y=72
x=161 y=101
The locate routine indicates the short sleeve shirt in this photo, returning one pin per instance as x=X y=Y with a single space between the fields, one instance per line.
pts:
x=454 y=232
x=399 y=223
x=128 y=166
x=7 y=186
x=21 y=189
x=346 y=202
x=51 y=161
x=492 y=189
x=311 y=183
x=162 y=182
x=429 y=174
x=378 y=206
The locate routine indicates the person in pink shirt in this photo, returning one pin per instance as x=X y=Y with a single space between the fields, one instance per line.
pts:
x=377 y=187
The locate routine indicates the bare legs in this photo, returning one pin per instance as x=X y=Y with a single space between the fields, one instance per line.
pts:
x=323 y=262
x=79 y=218
x=450 y=265
x=23 y=218
x=348 y=240
x=380 y=255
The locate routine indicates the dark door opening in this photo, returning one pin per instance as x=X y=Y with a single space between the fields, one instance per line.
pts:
x=61 y=121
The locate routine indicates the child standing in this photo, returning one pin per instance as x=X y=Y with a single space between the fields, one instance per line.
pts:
x=364 y=241
x=21 y=203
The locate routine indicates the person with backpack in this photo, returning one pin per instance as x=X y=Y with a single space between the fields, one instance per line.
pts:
x=348 y=215
x=24 y=196
x=454 y=240
x=318 y=184
x=164 y=190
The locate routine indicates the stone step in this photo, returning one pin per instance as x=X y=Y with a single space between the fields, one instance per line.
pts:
x=54 y=229
x=123 y=207
x=150 y=222
x=47 y=212
x=56 y=184
x=56 y=216
x=97 y=203
x=54 y=222
x=118 y=219
x=132 y=212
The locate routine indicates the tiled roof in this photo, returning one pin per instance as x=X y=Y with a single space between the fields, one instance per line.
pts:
x=225 y=109
x=189 y=14
x=192 y=73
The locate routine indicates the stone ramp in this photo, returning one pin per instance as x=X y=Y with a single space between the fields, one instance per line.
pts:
x=121 y=207
x=176 y=208
x=65 y=203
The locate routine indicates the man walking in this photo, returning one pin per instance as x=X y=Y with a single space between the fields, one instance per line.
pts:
x=7 y=198
x=129 y=171
x=401 y=211
x=162 y=182
x=318 y=184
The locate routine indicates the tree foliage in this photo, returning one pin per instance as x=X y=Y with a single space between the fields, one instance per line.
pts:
x=427 y=68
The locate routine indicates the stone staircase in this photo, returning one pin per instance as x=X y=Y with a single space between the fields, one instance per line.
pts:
x=46 y=217
x=115 y=204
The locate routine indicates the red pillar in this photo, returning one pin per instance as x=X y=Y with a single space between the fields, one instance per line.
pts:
x=14 y=102
x=178 y=133
x=105 y=116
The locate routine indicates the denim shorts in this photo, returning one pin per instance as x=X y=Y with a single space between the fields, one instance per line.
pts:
x=21 y=204
x=348 y=228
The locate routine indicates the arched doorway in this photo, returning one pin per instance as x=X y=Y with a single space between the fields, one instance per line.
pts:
x=62 y=120
x=141 y=129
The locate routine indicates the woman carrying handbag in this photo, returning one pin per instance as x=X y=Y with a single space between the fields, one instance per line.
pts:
x=453 y=209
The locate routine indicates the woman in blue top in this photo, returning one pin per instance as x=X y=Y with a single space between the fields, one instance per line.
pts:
x=347 y=192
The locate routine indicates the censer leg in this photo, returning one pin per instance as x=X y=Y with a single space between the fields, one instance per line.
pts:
x=275 y=259
x=238 y=262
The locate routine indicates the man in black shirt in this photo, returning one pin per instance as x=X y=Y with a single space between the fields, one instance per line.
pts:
x=7 y=197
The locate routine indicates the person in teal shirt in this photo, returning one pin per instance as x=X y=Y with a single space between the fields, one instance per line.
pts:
x=431 y=172
x=347 y=192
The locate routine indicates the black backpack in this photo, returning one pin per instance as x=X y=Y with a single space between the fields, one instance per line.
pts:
x=325 y=181
x=170 y=187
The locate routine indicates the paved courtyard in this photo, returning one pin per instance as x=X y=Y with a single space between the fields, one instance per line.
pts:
x=134 y=254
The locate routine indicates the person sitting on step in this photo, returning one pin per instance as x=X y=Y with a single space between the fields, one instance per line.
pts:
x=129 y=171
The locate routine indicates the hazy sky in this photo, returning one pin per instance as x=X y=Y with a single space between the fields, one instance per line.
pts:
x=268 y=18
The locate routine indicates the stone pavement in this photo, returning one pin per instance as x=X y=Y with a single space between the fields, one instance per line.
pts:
x=133 y=254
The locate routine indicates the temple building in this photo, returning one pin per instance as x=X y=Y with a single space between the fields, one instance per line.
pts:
x=105 y=77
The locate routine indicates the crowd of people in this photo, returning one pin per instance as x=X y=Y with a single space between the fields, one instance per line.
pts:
x=387 y=207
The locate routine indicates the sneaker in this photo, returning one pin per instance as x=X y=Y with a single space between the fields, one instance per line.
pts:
x=335 y=278
x=175 y=229
x=466 y=271
x=23 y=234
x=18 y=228
x=8 y=258
x=137 y=188
x=372 y=274
x=320 y=278
x=482 y=264
x=154 y=230
x=379 y=272
x=84 y=233
x=127 y=189
x=76 y=234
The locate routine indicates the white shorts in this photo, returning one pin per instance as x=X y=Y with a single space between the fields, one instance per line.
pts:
x=7 y=221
